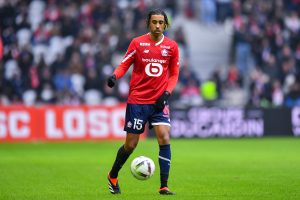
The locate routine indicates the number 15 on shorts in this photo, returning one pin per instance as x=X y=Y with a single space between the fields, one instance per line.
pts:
x=138 y=124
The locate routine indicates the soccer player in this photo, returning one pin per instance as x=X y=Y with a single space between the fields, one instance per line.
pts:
x=155 y=73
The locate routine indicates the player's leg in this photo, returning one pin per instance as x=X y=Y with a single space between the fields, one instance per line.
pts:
x=135 y=121
x=124 y=153
x=163 y=137
x=122 y=156
x=160 y=121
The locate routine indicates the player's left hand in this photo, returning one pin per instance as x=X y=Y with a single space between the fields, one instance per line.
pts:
x=162 y=101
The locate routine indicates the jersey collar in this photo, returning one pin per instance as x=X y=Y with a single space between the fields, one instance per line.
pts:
x=160 y=41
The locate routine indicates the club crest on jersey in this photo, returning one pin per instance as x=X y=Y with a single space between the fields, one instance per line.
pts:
x=164 y=52
x=129 y=124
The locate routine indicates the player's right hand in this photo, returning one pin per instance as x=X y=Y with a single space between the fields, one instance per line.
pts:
x=111 y=81
x=162 y=101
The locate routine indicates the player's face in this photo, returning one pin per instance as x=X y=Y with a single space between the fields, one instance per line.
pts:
x=157 y=25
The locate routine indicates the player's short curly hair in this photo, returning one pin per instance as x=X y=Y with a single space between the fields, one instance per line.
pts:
x=157 y=12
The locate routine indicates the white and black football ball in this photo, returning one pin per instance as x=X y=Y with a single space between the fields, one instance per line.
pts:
x=142 y=167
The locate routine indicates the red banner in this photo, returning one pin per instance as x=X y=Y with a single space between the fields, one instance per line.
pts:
x=21 y=123
x=18 y=123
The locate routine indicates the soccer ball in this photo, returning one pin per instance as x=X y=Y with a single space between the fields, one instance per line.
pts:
x=142 y=167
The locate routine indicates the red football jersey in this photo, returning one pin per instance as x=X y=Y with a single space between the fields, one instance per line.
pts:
x=155 y=68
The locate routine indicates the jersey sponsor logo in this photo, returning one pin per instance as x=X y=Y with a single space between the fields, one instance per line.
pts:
x=154 y=69
x=153 y=60
x=164 y=52
x=144 y=44
x=165 y=47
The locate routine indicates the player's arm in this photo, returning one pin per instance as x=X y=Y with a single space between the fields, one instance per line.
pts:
x=173 y=77
x=173 y=70
x=124 y=65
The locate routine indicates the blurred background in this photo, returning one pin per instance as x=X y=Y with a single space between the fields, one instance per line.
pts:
x=233 y=54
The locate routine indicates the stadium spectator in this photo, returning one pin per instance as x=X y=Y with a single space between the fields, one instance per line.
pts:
x=209 y=92
x=1 y=49
x=233 y=78
x=190 y=94
x=277 y=94
x=224 y=10
x=208 y=11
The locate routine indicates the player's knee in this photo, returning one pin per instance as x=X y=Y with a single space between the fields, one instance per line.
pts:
x=164 y=139
x=130 y=146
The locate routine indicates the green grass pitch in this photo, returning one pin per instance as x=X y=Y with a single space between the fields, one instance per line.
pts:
x=247 y=168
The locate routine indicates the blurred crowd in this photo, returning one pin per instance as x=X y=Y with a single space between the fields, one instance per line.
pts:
x=265 y=53
x=61 y=51
x=267 y=50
